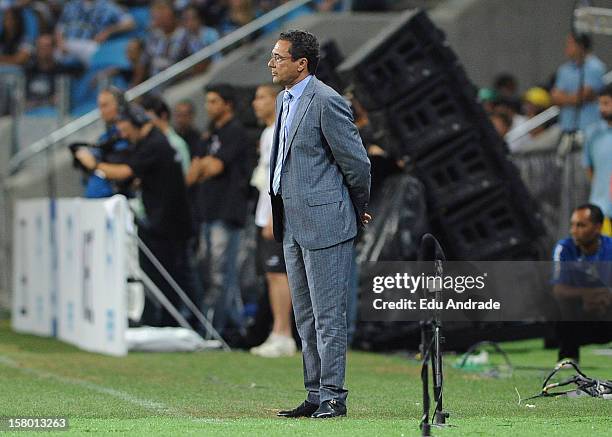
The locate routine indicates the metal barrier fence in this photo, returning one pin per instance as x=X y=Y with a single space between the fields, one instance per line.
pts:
x=558 y=183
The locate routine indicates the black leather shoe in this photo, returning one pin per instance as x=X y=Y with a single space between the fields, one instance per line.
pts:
x=305 y=409
x=329 y=409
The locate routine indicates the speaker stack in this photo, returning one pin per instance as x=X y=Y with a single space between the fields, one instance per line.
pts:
x=423 y=108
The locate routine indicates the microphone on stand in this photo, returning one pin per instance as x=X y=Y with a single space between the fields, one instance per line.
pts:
x=431 y=339
x=430 y=249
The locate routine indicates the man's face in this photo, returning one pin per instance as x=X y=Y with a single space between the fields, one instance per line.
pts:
x=264 y=103
x=605 y=108
x=530 y=109
x=583 y=231
x=107 y=104
x=191 y=20
x=183 y=116
x=162 y=17
x=44 y=47
x=10 y=21
x=128 y=131
x=216 y=107
x=133 y=51
x=572 y=49
x=285 y=71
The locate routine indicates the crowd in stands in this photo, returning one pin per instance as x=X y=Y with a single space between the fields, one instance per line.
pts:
x=574 y=88
x=507 y=110
x=108 y=46
x=579 y=90
x=97 y=42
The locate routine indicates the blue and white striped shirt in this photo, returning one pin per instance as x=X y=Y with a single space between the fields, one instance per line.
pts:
x=84 y=19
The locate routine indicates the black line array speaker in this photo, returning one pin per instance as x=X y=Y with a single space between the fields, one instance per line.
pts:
x=488 y=227
x=458 y=169
x=423 y=107
x=428 y=115
x=398 y=60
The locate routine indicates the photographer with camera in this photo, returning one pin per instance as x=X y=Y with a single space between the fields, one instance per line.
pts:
x=167 y=225
x=109 y=148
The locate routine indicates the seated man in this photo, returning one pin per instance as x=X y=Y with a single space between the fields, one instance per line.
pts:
x=86 y=23
x=582 y=278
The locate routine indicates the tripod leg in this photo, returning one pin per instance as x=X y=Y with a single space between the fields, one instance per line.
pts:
x=438 y=378
x=425 y=342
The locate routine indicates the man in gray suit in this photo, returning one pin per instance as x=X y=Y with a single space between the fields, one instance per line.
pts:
x=320 y=188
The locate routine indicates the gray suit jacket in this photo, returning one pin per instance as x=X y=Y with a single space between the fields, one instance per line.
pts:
x=325 y=181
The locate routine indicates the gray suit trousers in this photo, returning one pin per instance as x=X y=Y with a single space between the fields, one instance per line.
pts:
x=319 y=282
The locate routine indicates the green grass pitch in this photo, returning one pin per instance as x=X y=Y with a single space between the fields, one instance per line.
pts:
x=230 y=394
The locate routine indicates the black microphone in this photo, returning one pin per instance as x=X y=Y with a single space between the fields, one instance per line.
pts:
x=430 y=249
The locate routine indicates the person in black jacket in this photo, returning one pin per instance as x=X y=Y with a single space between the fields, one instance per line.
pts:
x=223 y=173
x=167 y=223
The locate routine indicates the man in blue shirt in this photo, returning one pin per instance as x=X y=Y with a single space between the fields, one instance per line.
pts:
x=166 y=41
x=84 y=24
x=198 y=34
x=577 y=83
x=598 y=158
x=582 y=278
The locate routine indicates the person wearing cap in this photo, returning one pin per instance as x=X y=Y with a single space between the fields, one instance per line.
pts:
x=167 y=226
x=536 y=100
x=546 y=136
x=487 y=98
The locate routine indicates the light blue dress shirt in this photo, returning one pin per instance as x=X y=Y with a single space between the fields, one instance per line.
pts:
x=296 y=92
x=568 y=78
x=598 y=156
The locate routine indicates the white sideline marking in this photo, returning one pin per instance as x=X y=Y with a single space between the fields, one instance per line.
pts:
x=155 y=406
